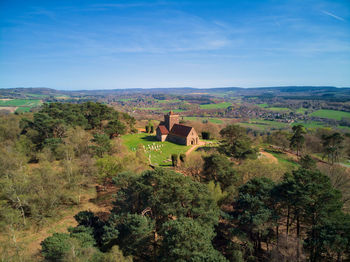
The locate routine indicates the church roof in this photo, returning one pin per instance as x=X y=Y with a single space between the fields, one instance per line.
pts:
x=163 y=130
x=181 y=130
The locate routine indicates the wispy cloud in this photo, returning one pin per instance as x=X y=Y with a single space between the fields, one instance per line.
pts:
x=333 y=15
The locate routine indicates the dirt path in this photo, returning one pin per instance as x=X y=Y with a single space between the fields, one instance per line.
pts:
x=32 y=239
x=269 y=157
x=189 y=151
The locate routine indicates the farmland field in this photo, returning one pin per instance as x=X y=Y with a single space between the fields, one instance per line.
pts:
x=277 y=108
x=332 y=114
x=263 y=124
x=212 y=120
x=263 y=105
x=301 y=110
x=20 y=102
x=310 y=124
x=160 y=156
x=216 y=106
x=21 y=105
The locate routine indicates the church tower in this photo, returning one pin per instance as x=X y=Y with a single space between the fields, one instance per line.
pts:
x=171 y=119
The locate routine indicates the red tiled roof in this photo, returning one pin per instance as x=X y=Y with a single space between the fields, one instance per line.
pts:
x=163 y=130
x=180 y=130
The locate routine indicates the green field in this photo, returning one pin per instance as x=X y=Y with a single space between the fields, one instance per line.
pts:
x=212 y=120
x=310 y=124
x=277 y=108
x=263 y=124
x=23 y=109
x=149 y=108
x=21 y=102
x=301 y=110
x=173 y=110
x=160 y=156
x=216 y=106
x=331 y=114
x=170 y=101
x=263 y=105
x=24 y=105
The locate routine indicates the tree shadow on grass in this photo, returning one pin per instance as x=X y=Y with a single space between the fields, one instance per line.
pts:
x=150 y=138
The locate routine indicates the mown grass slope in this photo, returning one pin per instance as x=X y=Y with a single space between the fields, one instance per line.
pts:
x=158 y=152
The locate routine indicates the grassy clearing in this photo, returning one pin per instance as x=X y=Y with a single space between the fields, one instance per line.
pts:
x=159 y=156
x=284 y=159
x=216 y=106
x=331 y=114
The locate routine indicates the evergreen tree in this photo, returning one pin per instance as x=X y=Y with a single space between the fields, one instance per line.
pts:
x=236 y=143
x=297 y=140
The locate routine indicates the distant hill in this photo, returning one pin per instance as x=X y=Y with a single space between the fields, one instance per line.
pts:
x=291 y=92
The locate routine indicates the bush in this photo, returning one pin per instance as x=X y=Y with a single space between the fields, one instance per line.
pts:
x=56 y=246
x=147 y=129
x=206 y=135
x=174 y=159
x=182 y=158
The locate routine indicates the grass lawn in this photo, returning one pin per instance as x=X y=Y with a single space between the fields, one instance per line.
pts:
x=159 y=156
x=332 y=114
x=216 y=106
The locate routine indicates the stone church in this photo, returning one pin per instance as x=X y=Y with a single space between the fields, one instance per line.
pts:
x=171 y=130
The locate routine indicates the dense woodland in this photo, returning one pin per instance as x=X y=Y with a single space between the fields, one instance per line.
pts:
x=220 y=203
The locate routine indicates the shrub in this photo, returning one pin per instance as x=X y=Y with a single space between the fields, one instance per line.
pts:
x=206 y=135
x=56 y=246
x=182 y=158
x=174 y=159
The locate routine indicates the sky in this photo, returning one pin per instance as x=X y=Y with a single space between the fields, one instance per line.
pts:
x=101 y=44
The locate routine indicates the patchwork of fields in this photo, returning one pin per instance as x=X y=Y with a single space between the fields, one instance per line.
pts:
x=19 y=105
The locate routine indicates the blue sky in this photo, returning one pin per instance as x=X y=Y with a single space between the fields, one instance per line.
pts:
x=145 y=44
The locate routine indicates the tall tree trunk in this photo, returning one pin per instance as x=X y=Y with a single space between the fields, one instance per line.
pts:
x=288 y=211
x=277 y=235
x=298 y=239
